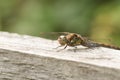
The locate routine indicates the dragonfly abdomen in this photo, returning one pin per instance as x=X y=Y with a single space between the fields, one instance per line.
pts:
x=91 y=44
x=110 y=46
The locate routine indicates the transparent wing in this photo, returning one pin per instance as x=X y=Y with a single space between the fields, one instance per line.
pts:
x=52 y=35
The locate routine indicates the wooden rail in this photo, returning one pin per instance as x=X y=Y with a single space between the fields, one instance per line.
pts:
x=24 y=57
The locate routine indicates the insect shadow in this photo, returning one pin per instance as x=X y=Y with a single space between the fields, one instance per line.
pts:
x=78 y=49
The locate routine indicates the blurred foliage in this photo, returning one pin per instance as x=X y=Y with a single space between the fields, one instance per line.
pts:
x=98 y=19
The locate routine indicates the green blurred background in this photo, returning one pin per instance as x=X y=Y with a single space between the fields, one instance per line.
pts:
x=98 y=19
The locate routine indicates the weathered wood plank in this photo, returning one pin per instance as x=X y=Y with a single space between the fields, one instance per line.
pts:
x=25 y=57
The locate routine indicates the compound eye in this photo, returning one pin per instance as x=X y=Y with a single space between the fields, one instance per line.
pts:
x=62 y=39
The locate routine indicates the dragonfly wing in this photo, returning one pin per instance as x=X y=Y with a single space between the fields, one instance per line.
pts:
x=52 y=35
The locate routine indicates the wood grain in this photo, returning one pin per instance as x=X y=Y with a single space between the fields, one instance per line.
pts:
x=24 y=57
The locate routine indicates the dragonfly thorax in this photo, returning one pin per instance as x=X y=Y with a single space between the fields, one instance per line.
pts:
x=70 y=40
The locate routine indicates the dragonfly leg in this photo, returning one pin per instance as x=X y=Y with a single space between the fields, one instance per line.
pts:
x=65 y=46
x=58 y=46
x=75 y=48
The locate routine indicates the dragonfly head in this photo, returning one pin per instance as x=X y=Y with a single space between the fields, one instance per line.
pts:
x=62 y=40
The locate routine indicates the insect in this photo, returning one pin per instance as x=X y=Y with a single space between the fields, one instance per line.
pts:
x=74 y=39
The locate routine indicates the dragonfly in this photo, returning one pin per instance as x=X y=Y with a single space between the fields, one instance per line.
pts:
x=74 y=40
